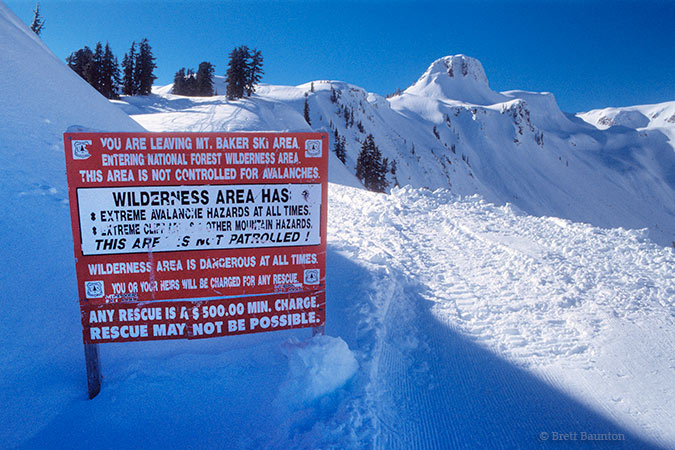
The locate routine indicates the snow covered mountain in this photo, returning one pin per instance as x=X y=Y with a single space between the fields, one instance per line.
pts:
x=452 y=322
x=450 y=130
x=649 y=117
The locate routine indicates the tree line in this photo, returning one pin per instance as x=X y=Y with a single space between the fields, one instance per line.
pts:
x=244 y=72
x=101 y=70
x=200 y=84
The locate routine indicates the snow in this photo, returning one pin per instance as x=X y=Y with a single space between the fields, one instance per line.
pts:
x=457 y=316
x=577 y=306
x=316 y=367
x=513 y=147
x=659 y=117
x=456 y=77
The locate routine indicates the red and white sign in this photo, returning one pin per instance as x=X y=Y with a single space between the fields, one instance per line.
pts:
x=193 y=235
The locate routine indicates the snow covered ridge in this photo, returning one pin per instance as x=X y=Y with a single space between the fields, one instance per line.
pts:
x=660 y=115
x=450 y=130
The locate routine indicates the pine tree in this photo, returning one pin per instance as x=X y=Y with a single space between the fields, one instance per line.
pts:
x=306 y=112
x=143 y=70
x=244 y=72
x=255 y=71
x=81 y=61
x=237 y=72
x=204 y=79
x=98 y=68
x=370 y=169
x=38 y=23
x=340 y=147
x=179 y=82
x=95 y=75
x=109 y=74
x=190 y=83
x=128 y=69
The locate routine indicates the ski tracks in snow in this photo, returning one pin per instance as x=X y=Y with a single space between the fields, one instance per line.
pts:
x=472 y=300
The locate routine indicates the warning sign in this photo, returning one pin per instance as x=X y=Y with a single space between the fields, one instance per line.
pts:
x=193 y=235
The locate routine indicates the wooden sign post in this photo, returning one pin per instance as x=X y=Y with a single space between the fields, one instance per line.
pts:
x=93 y=369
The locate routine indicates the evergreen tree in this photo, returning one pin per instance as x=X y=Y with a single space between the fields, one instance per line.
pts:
x=179 y=82
x=237 y=72
x=190 y=83
x=204 y=79
x=98 y=68
x=109 y=74
x=38 y=23
x=128 y=69
x=144 y=67
x=255 y=71
x=81 y=61
x=340 y=147
x=370 y=169
x=244 y=72
x=95 y=74
x=306 y=112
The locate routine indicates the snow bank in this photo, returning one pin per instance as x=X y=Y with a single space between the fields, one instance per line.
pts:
x=40 y=97
x=583 y=316
x=317 y=367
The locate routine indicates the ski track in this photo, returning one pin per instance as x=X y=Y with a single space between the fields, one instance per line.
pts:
x=493 y=326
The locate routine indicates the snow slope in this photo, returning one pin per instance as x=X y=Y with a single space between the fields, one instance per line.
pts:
x=659 y=117
x=451 y=322
x=450 y=130
x=577 y=323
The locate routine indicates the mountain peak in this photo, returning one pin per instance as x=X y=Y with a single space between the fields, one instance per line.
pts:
x=456 y=77
x=459 y=66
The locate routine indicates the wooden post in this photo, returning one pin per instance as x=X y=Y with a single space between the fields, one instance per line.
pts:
x=319 y=330
x=93 y=369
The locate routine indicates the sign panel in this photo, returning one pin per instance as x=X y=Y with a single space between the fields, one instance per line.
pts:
x=193 y=235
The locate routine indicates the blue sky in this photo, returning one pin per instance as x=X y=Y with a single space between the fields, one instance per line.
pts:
x=589 y=54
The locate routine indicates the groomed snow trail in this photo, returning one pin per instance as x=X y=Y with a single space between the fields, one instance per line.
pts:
x=494 y=327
